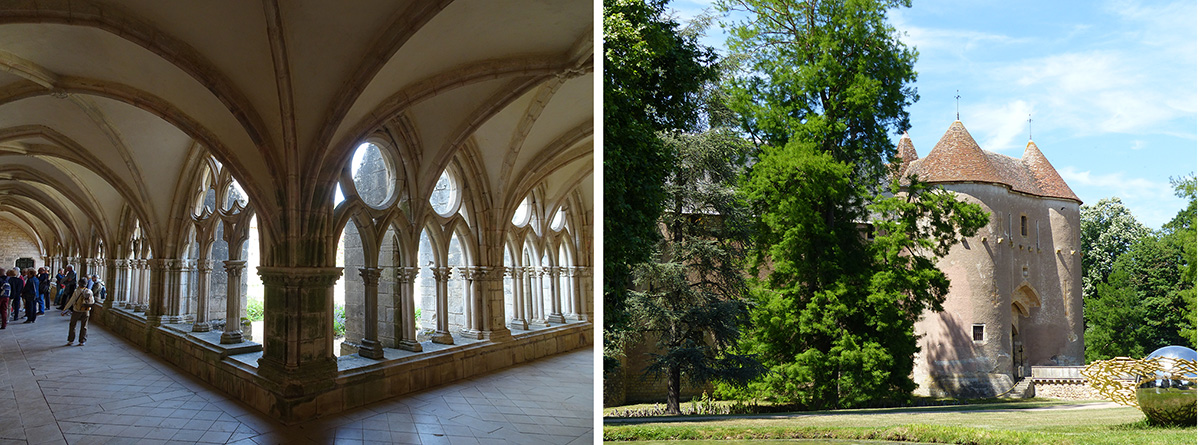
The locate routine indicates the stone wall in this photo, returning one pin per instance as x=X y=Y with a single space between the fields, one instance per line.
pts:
x=1065 y=389
x=631 y=385
x=16 y=243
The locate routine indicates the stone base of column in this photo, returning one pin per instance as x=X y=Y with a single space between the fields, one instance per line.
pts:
x=370 y=349
x=497 y=335
x=556 y=318
x=471 y=333
x=296 y=381
x=578 y=317
x=128 y=305
x=231 y=337
x=441 y=338
x=201 y=326
x=171 y=319
x=140 y=308
x=519 y=324
x=409 y=345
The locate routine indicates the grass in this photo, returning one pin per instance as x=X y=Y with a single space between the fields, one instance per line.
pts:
x=982 y=424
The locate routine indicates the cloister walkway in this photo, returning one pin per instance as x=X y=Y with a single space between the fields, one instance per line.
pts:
x=111 y=392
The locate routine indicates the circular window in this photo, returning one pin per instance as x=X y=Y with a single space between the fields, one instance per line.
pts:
x=445 y=196
x=559 y=220
x=373 y=173
x=521 y=216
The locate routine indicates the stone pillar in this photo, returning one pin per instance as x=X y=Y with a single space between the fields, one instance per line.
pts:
x=518 y=278
x=204 y=269
x=461 y=273
x=489 y=285
x=134 y=288
x=233 y=302
x=370 y=346
x=539 y=305
x=156 y=272
x=110 y=278
x=441 y=276
x=171 y=299
x=584 y=297
x=143 y=286
x=297 y=331
x=186 y=288
x=119 y=289
x=556 y=315
x=405 y=325
x=475 y=278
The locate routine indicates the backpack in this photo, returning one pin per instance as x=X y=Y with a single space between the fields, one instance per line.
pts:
x=6 y=291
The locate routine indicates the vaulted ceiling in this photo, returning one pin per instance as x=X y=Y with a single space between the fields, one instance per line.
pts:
x=106 y=107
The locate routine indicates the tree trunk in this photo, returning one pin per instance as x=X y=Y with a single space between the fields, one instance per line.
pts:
x=673 y=389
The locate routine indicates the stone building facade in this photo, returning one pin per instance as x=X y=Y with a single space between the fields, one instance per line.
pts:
x=1015 y=296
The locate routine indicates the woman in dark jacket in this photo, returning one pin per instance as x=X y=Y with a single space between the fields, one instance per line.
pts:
x=30 y=293
x=43 y=289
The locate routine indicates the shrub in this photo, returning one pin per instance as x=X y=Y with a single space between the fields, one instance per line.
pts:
x=254 y=310
x=339 y=321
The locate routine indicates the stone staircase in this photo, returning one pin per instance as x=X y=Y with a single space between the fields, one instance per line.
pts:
x=1022 y=390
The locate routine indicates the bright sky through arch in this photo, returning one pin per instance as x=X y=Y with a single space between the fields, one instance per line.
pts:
x=1110 y=85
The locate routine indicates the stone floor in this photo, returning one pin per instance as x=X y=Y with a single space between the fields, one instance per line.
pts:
x=110 y=392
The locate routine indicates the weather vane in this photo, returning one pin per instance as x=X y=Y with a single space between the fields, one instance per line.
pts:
x=956 y=105
x=1031 y=126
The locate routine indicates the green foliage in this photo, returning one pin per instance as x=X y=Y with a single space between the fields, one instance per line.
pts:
x=1106 y=230
x=824 y=83
x=339 y=321
x=652 y=74
x=831 y=72
x=254 y=309
x=691 y=298
x=1148 y=299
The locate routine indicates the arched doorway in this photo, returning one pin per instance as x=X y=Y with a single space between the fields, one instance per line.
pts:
x=1023 y=299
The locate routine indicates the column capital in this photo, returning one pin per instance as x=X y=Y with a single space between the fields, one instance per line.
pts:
x=441 y=273
x=583 y=271
x=234 y=266
x=299 y=276
x=204 y=265
x=407 y=274
x=516 y=272
x=370 y=275
x=554 y=271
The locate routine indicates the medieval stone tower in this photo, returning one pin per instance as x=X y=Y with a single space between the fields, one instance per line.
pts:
x=1015 y=287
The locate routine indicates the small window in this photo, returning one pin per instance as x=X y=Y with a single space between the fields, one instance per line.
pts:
x=1024 y=226
x=977 y=332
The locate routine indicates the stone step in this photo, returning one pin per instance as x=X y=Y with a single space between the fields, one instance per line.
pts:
x=1022 y=390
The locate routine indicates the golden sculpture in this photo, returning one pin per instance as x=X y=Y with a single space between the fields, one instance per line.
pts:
x=1162 y=385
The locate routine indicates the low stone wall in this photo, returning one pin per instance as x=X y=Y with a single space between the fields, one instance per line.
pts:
x=1066 y=390
x=234 y=370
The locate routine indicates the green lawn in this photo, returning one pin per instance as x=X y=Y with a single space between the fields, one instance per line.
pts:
x=1035 y=422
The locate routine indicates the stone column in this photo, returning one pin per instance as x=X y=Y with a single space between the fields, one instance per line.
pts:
x=233 y=302
x=585 y=294
x=405 y=325
x=120 y=289
x=468 y=314
x=298 y=356
x=143 y=286
x=171 y=299
x=489 y=285
x=475 y=278
x=518 y=321
x=556 y=315
x=156 y=275
x=203 y=269
x=539 y=312
x=110 y=279
x=186 y=288
x=441 y=275
x=134 y=288
x=370 y=346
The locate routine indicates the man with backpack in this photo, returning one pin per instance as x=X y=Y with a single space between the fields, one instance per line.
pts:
x=80 y=305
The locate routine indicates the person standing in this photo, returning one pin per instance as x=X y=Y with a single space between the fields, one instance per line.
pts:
x=98 y=289
x=80 y=304
x=16 y=286
x=30 y=294
x=69 y=286
x=44 y=286
x=5 y=295
x=60 y=283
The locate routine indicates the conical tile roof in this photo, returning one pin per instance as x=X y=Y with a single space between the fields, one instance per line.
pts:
x=958 y=158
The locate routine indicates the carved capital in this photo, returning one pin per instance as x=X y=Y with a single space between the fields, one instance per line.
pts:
x=233 y=267
x=370 y=275
x=441 y=273
x=204 y=265
x=407 y=274
x=299 y=277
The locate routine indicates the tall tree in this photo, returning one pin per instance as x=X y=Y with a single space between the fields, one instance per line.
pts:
x=1106 y=230
x=691 y=299
x=652 y=75
x=1181 y=231
x=825 y=83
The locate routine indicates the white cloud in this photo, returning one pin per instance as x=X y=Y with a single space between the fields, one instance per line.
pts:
x=1153 y=203
x=1138 y=145
x=1001 y=126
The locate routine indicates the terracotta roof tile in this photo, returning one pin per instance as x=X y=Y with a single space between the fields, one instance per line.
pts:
x=957 y=158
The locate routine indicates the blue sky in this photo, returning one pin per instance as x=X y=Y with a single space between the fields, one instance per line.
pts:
x=1111 y=86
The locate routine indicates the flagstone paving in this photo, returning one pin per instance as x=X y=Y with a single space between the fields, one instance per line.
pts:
x=111 y=392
